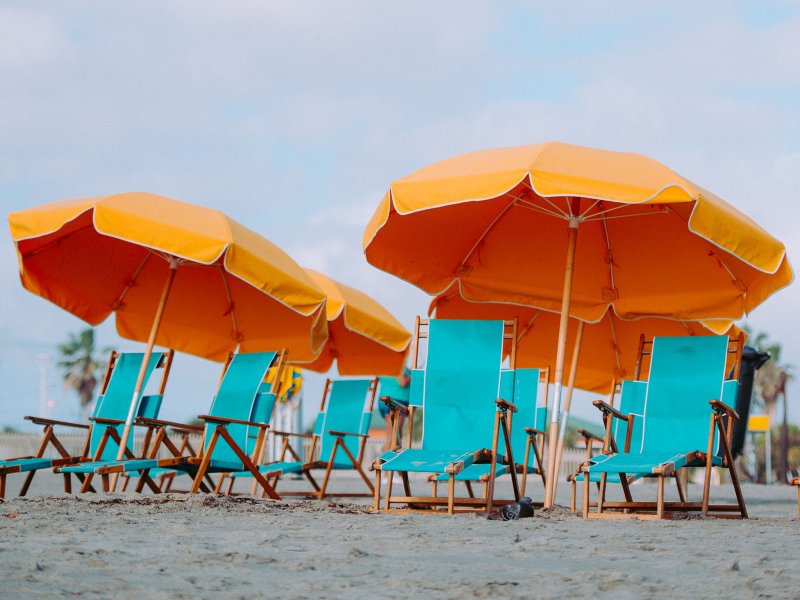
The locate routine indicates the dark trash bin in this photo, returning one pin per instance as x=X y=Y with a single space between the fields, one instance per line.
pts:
x=752 y=360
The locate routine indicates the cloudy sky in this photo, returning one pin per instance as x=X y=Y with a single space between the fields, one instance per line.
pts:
x=294 y=117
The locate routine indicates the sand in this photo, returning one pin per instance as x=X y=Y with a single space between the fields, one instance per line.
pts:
x=179 y=546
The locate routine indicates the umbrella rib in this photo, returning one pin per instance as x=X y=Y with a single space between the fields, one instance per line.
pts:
x=521 y=202
x=232 y=309
x=604 y=217
x=616 y=342
x=558 y=210
x=55 y=241
x=485 y=233
x=610 y=255
x=131 y=282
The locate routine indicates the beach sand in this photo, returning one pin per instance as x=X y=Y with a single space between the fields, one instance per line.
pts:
x=179 y=546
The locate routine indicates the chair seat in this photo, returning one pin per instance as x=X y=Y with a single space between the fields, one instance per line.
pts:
x=596 y=477
x=23 y=465
x=475 y=472
x=279 y=467
x=427 y=461
x=644 y=463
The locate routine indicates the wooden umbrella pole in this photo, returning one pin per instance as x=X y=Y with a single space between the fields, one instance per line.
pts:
x=552 y=431
x=162 y=303
x=562 y=432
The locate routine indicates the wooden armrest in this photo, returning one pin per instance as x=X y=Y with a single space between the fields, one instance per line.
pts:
x=590 y=436
x=344 y=433
x=104 y=421
x=394 y=405
x=534 y=432
x=224 y=421
x=160 y=423
x=42 y=421
x=505 y=405
x=609 y=410
x=288 y=433
x=720 y=407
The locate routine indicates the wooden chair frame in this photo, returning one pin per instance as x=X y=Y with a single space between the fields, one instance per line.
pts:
x=49 y=437
x=199 y=463
x=722 y=420
x=502 y=424
x=287 y=450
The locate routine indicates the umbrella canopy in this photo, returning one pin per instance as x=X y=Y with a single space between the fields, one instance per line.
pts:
x=112 y=254
x=609 y=348
x=364 y=337
x=175 y=274
x=652 y=243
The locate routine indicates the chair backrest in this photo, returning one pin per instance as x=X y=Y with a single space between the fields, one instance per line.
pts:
x=115 y=401
x=685 y=373
x=531 y=412
x=347 y=408
x=242 y=396
x=632 y=399
x=460 y=384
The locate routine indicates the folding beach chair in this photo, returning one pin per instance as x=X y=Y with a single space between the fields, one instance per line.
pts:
x=685 y=423
x=616 y=428
x=463 y=415
x=103 y=431
x=234 y=433
x=529 y=389
x=343 y=424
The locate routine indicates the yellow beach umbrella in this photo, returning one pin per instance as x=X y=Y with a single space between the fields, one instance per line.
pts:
x=364 y=337
x=504 y=225
x=174 y=274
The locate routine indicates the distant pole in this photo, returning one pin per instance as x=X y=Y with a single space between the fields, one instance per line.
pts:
x=784 y=477
x=768 y=456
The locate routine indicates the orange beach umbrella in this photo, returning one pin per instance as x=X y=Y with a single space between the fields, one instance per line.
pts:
x=578 y=231
x=363 y=337
x=173 y=274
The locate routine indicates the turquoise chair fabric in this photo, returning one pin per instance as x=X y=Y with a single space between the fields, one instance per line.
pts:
x=685 y=373
x=458 y=389
x=240 y=396
x=346 y=410
x=522 y=386
x=114 y=404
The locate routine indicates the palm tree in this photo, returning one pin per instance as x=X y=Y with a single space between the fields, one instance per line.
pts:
x=80 y=366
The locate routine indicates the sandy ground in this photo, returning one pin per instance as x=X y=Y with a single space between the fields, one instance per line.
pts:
x=129 y=546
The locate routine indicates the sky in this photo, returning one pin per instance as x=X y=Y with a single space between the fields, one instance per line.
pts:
x=294 y=117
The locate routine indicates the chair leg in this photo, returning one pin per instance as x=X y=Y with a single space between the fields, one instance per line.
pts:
x=106 y=485
x=376 y=492
x=406 y=483
x=3 y=487
x=451 y=494
x=87 y=483
x=67 y=483
x=574 y=495
x=587 y=488
x=253 y=490
x=660 y=498
x=798 y=500
x=681 y=495
x=329 y=468
x=24 y=489
x=601 y=489
x=220 y=481
x=435 y=486
x=387 y=503
x=469 y=489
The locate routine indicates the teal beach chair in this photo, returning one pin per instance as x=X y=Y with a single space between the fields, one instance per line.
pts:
x=234 y=433
x=340 y=434
x=463 y=414
x=685 y=423
x=631 y=402
x=103 y=431
x=530 y=389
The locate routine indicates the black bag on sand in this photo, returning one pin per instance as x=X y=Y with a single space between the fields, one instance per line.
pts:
x=511 y=512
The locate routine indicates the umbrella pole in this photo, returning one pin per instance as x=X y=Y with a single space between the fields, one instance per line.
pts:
x=562 y=432
x=552 y=431
x=126 y=431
